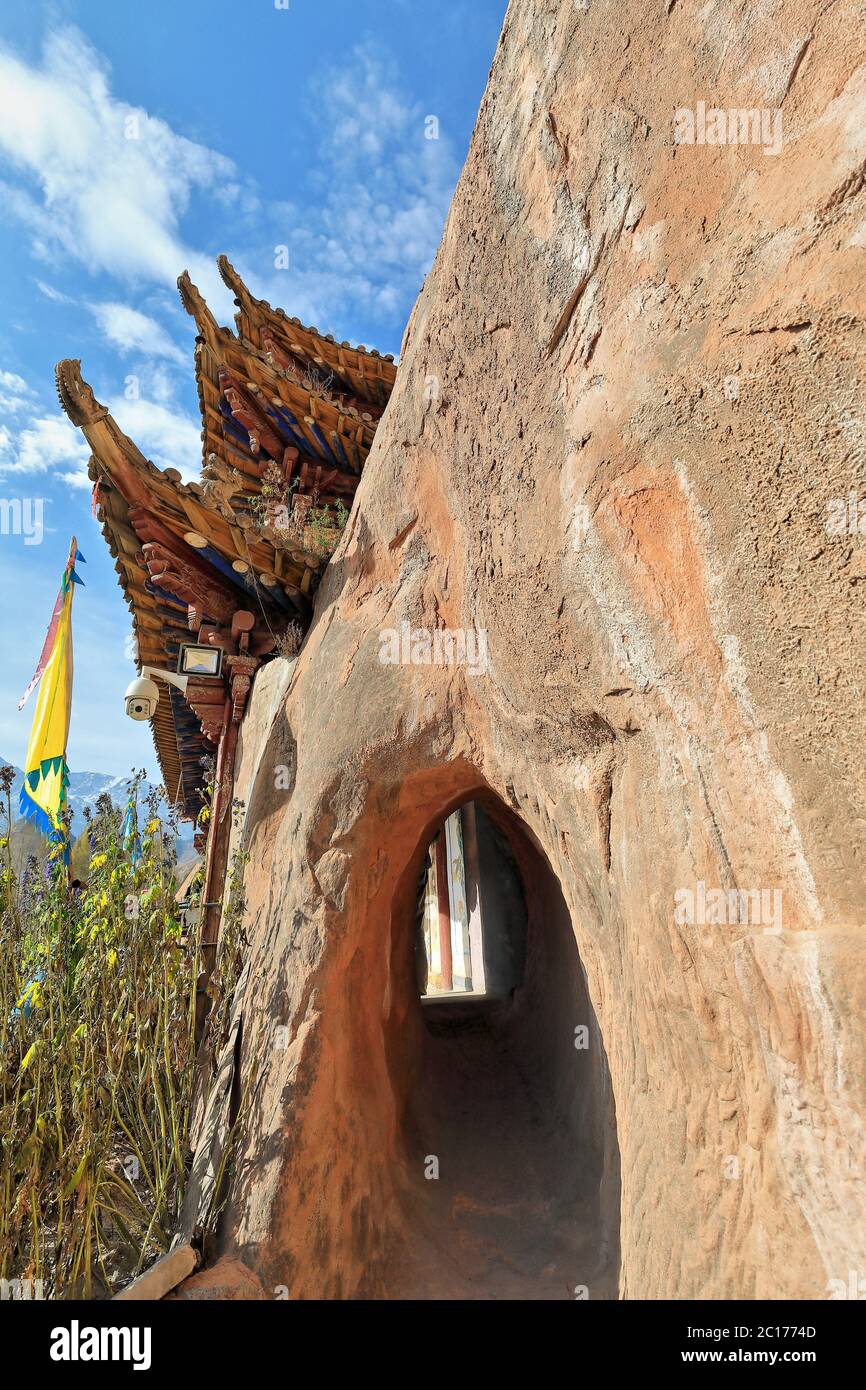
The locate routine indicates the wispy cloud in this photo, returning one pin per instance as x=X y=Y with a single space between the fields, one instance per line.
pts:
x=108 y=184
x=47 y=444
x=15 y=394
x=132 y=331
x=49 y=292
x=98 y=180
x=34 y=441
x=386 y=173
x=165 y=434
x=397 y=168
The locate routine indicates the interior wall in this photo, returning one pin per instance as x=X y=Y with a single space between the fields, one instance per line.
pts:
x=504 y=909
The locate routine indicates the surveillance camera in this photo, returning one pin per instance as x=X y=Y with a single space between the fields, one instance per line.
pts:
x=142 y=698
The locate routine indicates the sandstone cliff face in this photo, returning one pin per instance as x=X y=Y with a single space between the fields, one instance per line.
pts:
x=630 y=390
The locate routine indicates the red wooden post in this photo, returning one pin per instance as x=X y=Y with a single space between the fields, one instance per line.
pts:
x=240 y=668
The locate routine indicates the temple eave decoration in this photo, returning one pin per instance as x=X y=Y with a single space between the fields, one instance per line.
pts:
x=232 y=560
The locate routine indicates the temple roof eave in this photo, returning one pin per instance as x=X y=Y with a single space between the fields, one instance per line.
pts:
x=129 y=486
x=288 y=420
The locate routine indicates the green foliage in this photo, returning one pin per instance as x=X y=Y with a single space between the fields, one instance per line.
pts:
x=272 y=506
x=324 y=526
x=79 y=857
x=97 y=1053
x=26 y=840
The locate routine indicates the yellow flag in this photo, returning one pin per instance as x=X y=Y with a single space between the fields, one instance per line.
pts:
x=46 y=776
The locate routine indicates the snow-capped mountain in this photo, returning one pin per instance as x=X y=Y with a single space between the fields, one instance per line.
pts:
x=83 y=790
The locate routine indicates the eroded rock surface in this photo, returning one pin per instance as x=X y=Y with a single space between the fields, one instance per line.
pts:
x=630 y=390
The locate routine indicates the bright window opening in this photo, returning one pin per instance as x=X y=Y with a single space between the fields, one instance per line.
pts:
x=471 y=918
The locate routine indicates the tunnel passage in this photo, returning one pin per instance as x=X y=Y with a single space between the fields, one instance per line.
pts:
x=512 y=1164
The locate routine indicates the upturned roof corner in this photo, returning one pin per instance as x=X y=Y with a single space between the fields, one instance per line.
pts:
x=288 y=420
x=75 y=394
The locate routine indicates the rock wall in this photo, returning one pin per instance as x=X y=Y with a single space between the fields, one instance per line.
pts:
x=631 y=390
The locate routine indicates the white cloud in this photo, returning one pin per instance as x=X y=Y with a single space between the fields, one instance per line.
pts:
x=50 y=443
x=384 y=193
x=162 y=384
x=15 y=394
x=98 y=180
x=391 y=210
x=45 y=444
x=131 y=331
x=109 y=183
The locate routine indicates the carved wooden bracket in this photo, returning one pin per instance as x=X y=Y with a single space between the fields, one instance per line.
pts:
x=76 y=395
x=242 y=669
x=206 y=597
x=338 y=390
x=249 y=414
x=321 y=480
x=283 y=359
x=206 y=695
x=193 y=301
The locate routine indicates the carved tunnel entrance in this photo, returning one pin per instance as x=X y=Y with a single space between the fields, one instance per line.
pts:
x=512 y=1164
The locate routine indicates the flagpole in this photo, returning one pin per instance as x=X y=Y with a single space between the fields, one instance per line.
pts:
x=68 y=571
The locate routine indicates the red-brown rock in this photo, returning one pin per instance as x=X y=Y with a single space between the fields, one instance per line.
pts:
x=631 y=390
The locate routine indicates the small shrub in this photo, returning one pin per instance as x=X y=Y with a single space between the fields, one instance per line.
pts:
x=324 y=526
x=289 y=642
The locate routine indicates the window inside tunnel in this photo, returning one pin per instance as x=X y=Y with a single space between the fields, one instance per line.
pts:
x=510 y=1123
x=470 y=917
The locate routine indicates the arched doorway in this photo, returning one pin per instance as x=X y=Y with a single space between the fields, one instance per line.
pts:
x=512 y=1162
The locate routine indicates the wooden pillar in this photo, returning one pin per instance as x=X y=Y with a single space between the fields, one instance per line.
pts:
x=240 y=668
x=431 y=928
x=444 y=911
x=216 y=860
x=220 y=830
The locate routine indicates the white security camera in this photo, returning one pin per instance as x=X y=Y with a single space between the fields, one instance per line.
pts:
x=142 y=698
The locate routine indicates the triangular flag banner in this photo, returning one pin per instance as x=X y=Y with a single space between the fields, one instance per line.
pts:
x=47 y=649
x=129 y=829
x=46 y=776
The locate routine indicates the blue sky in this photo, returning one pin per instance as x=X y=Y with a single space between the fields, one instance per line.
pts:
x=137 y=141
